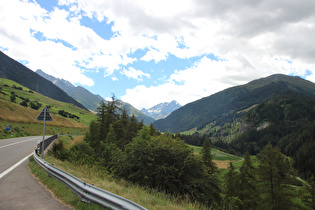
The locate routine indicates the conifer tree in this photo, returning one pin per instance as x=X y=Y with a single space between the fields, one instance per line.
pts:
x=247 y=191
x=132 y=129
x=121 y=127
x=274 y=171
x=207 y=157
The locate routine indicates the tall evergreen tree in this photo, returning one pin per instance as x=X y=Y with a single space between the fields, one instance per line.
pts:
x=247 y=191
x=231 y=200
x=275 y=176
x=207 y=157
x=132 y=129
x=107 y=115
x=121 y=127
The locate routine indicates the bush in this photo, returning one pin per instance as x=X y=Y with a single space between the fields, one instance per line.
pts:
x=24 y=103
x=82 y=153
x=59 y=151
x=35 y=105
x=168 y=165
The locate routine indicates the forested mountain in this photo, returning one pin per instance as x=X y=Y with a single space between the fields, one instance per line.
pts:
x=161 y=110
x=224 y=106
x=138 y=115
x=278 y=109
x=286 y=121
x=15 y=71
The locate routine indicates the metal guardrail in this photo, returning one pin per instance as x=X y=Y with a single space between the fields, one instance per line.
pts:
x=85 y=191
x=46 y=143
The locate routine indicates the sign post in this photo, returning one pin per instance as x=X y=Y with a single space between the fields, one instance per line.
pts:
x=44 y=116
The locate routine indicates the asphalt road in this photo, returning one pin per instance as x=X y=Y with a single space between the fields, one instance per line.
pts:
x=18 y=188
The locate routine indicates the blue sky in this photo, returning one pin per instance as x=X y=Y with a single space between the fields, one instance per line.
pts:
x=148 y=52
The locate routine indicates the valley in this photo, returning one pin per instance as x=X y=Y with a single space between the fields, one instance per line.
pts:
x=237 y=124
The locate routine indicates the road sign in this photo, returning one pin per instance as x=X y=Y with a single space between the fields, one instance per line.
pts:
x=8 y=128
x=44 y=115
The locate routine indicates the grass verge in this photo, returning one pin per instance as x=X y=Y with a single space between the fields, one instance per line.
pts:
x=59 y=190
x=148 y=198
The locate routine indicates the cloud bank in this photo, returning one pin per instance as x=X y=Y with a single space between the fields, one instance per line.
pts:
x=246 y=40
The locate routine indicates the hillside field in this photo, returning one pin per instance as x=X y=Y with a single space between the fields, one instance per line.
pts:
x=22 y=119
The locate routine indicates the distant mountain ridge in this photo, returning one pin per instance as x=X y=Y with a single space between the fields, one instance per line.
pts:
x=82 y=95
x=161 y=110
x=223 y=106
x=90 y=100
x=13 y=70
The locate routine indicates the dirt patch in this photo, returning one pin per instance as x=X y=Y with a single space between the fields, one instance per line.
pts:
x=221 y=164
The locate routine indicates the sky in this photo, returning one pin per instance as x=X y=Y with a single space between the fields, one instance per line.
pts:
x=147 y=52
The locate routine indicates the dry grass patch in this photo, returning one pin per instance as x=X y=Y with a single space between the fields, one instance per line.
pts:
x=222 y=164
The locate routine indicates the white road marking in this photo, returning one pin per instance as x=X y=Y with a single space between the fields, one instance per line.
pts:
x=14 y=166
x=17 y=143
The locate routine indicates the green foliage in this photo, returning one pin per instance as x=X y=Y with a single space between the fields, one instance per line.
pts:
x=207 y=157
x=290 y=120
x=247 y=189
x=275 y=175
x=309 y=193
x=13 y=97
x=59 y=151
x=24 y=103
x=35 y=105
x=168 y=165
x=231 y=178
x=67 y=114
x=82 y=154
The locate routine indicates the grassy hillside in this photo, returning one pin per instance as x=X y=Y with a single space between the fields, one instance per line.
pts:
x=17 y=72
x=225 y=106
x=23 y=119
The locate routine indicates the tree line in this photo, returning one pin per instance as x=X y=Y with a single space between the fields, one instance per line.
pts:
x=140 y=154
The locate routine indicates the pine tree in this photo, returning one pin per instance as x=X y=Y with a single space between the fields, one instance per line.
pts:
x=111 y=136
x=231 y=200
x=247 y=191
x=207 y=157
x=121 y=127
x=274 y=171
x=107 y=115
x=132 y=129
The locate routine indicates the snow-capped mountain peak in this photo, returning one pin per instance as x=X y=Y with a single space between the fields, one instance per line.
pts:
x=161 y=110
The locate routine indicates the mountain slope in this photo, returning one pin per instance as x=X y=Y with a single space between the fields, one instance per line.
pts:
x=223 y=106
x=20 y=113
x=90 y=100
x=138 y=115
x=82 y=95
x=161 y=110
x=15 y=71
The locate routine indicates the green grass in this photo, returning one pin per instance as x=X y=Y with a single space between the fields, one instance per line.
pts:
x=148 y=198
x=23 y=119
x=62 y=192
x=55 y=106
x=218 y=155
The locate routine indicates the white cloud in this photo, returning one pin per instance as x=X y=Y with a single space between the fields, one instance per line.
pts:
x=134 y=74
x=207 y=77
x=251 y=38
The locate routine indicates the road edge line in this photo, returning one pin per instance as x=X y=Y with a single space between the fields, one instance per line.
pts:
x=14 y=166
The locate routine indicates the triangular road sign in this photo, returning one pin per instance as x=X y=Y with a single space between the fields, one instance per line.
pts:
x=42 y=115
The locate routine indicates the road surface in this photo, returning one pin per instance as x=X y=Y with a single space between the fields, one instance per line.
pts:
x=18 y=188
